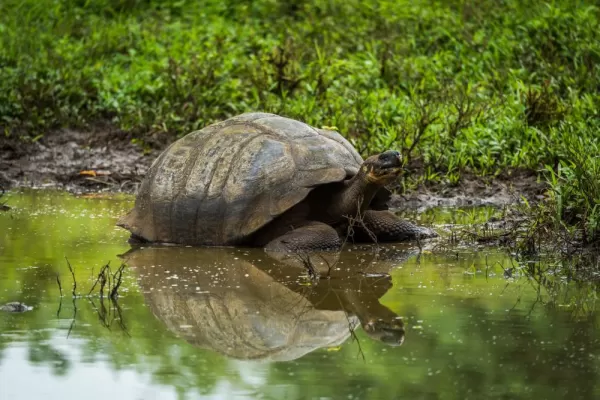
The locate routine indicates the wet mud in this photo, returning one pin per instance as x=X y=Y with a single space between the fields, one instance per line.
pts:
x=105 y=160
x=506 y=189
x=75 y=161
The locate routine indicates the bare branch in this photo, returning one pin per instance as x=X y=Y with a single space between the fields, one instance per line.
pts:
x=73 y=275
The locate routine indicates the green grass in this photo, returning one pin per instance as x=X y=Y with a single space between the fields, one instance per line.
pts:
x=575 y=189
x=479 y=86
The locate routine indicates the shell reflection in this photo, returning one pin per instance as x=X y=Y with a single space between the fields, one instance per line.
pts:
x=247 y=304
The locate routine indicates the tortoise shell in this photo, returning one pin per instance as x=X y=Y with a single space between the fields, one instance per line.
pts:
x=218 y=185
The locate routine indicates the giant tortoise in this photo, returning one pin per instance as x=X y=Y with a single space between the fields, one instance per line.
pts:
x=264 y=180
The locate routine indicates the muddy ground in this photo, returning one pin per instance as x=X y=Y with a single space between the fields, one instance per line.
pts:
x=106 y=160
x=69 y=159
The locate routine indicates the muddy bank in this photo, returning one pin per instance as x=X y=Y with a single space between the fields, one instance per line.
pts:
x=98 y=160
x=508 y=188
x=106 y=160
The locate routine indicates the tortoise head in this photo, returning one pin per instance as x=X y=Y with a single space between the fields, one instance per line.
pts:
x=388 y=332
x=382 y=168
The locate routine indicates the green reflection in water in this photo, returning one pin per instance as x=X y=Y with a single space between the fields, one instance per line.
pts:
x=236 y=323
x=454 y=216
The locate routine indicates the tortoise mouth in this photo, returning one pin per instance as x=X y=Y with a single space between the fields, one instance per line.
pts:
x=387 y=171
x=383 y=176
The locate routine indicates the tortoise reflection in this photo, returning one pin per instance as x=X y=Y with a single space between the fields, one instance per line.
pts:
x=247 y=304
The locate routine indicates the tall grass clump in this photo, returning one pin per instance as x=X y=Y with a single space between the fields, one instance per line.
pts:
x=575 y=187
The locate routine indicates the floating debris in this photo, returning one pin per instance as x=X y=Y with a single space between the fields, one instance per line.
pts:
x=16 y=307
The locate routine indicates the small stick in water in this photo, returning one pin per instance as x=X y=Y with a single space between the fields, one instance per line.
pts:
x=73 y=275
x=59 y=285
x=117 y=282
x=102 y=277
x=99 y=279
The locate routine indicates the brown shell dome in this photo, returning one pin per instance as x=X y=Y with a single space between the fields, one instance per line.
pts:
x=220 y=184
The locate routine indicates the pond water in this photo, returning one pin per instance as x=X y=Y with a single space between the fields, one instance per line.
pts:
x=191 y=323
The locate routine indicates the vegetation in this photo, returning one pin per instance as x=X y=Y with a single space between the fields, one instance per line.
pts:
x=478 y=86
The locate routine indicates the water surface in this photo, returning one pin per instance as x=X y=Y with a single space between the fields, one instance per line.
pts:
x=238 y=323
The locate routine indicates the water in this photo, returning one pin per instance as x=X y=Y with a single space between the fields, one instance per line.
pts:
x=236 y=323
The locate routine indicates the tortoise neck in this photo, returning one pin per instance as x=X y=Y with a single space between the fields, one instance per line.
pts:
x=358 y=194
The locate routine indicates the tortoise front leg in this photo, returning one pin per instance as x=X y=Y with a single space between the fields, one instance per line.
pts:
x=314 y=236
x=389 y=228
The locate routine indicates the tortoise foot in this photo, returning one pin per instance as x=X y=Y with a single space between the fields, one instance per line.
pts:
x=314 y=236
x=384 y=226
